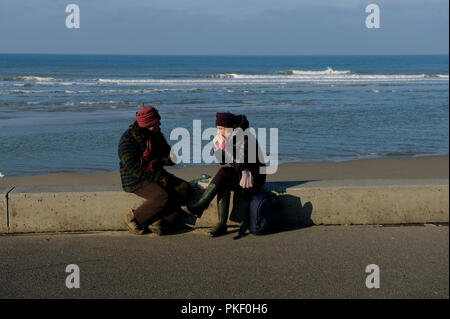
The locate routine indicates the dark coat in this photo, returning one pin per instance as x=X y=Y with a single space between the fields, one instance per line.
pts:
x=246 y=153
x=139 y=153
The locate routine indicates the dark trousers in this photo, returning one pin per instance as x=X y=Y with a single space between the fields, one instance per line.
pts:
x=162 y=198
x=227 y=179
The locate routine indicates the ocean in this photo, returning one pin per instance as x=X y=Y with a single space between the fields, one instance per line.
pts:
x=66 y=113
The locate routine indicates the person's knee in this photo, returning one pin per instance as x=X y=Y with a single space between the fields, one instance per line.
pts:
x=163 y=200
x=225 y=171
x=222 y=175
x=160 y=200
x=226 y=177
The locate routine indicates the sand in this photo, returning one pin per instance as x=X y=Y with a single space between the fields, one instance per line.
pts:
x=427 y=167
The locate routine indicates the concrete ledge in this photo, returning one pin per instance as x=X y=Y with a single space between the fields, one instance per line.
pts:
x=3 y=211
x=302 y=203
x=69 y=211
x=51 y=209
x=367 y=205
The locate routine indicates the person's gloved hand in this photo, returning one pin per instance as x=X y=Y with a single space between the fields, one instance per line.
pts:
x=218 y=142
x=247 y=179
x=155 y=165
x=166 y=161
x=173 y=157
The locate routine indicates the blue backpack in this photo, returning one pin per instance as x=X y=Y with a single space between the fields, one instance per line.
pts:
x=263 y=216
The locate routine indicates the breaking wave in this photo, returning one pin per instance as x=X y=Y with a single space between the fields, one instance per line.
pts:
x=29 y=78
x=328 y=71
x=327 y=75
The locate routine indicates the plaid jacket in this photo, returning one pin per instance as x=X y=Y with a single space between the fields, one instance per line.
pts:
x=138 y=152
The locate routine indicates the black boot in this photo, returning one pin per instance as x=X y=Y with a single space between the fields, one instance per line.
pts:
x=241 y=207
x=198 y=207
x=223 y=205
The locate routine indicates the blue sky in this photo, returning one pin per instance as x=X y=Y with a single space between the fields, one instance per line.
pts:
x=225 y=27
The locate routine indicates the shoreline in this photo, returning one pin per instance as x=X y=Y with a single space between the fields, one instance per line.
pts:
x=423 y=167
x=97 y=170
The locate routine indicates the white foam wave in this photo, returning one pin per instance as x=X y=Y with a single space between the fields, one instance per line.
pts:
x=243 y=79
x=335 y=77
x=328 y=75
x=30 y=78
x=223 y=76
x=111 y=103
x=105 y=102
x=328 y=71
x=154 y=82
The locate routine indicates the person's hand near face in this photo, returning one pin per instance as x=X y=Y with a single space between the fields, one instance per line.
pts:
x=224 y=131
x=218 y=141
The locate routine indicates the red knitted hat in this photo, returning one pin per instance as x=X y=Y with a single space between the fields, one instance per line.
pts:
x=147 y=116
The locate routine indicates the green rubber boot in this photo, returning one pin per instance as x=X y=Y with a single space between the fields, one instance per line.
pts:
x=198 y=207
x=223 y=205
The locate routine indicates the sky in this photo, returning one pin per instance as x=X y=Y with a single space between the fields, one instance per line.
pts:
x=228 y=27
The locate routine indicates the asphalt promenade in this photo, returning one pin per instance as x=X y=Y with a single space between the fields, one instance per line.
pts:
x=311 y=262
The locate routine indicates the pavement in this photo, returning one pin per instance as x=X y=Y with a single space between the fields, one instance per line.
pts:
x=311 y=262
